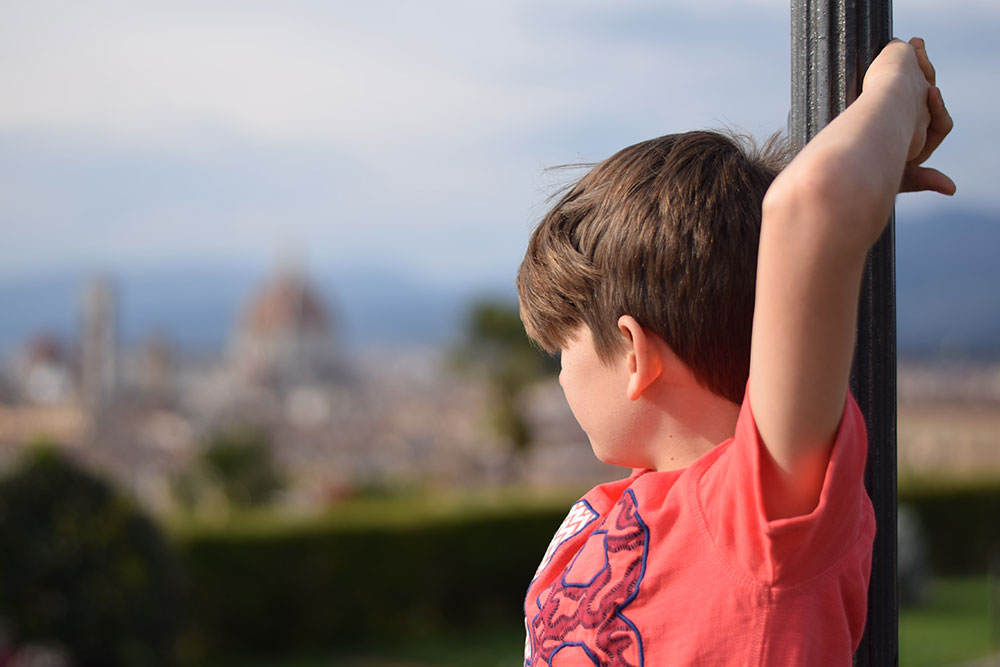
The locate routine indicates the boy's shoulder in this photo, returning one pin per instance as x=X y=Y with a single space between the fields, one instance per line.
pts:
x=688 y=552
x=717 y=504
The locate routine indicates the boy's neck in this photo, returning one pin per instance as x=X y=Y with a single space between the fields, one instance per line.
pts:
x=686 y=421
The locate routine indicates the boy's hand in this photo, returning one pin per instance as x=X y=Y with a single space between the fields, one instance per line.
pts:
x=910 y=64
x=915 y=177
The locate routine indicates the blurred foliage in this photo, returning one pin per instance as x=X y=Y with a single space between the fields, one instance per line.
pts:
x=370 y=571
x=912 y=572
x=235 y=467
x=960 y=521
x=496 y=347
x=81 y=567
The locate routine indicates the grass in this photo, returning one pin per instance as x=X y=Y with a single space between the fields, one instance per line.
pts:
x=497 y=647
x=952 y=628
x=486 y=647
x=955 y=626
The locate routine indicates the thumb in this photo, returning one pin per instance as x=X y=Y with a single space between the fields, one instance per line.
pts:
x=923 y=179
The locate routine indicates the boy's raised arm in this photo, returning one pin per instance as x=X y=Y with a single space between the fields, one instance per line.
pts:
x=820 y=217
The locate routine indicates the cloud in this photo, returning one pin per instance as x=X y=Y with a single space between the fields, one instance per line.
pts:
x=349 y=75
x=337 y=75
x=413 y=134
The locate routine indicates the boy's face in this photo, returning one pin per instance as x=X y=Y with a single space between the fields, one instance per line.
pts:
x=596 y=393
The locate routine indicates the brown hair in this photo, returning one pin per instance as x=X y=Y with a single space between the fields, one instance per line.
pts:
x=665 y=231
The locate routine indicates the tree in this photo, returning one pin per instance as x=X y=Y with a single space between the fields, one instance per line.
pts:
x=237 y=463
x=82 y=567
x=496 y=346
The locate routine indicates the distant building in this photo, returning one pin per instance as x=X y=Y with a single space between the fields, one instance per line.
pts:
x=99 y=346
x=43 y=372
x=285 y=335
x=150 y=370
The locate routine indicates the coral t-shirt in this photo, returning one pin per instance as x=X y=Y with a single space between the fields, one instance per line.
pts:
x=684 y=568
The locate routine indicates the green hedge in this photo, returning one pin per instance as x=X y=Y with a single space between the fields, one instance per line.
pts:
x=327 y=584
x=399 y=569
x=960 y=521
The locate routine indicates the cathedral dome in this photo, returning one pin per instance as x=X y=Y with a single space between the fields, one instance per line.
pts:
x=285 y=333
x=285 y=304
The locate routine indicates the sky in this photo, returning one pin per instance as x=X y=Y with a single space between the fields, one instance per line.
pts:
x=405 y=135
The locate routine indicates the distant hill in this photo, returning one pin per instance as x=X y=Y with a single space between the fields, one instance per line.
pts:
x=197 y=308
x=948 y=285
x=948 y=297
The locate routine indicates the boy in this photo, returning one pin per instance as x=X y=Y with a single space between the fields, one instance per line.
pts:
x=649 y=276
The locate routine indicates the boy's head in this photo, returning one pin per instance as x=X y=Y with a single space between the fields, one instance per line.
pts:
x=665 y=231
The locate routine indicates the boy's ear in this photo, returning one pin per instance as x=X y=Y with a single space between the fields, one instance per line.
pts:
x=642 y=356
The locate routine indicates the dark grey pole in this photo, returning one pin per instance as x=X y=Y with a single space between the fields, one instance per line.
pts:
x=833 y=42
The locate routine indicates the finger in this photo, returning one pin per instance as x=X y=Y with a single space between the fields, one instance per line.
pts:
x=925 y=65
x=939 y=127
x=941 y=121
x=925 y=179
x=920 y=50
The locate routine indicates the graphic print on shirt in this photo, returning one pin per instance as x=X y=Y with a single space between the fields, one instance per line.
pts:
x=581 y=619
x=580 y=515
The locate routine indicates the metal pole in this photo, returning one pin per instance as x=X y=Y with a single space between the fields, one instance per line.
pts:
x=833 y=42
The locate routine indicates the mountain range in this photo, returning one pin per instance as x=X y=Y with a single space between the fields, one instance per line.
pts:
x=948 y=297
